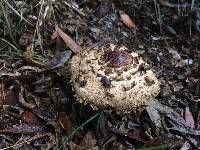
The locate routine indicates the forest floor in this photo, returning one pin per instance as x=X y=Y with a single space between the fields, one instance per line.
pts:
x=38 y=107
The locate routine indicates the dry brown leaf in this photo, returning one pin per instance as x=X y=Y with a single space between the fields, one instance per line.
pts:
x=68 y=41
x=127 y=20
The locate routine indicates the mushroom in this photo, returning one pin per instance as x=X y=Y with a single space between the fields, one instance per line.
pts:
x=113 y=78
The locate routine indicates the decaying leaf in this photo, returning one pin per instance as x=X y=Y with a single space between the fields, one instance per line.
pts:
x=89 y=140
x=59 y=60
x=186 y=146
x=194 y=141
x=163 y=139
x=126 y=20
x=137 y=135
x=24 y=79
x=44 y=114
x=11 y=98
x=155 y=106
x=176 y=86
x=185 y=130
x=189 y=118
x=154 y=115
x=30 y=118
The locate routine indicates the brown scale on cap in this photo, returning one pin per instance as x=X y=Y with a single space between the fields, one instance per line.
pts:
x=115 y=81
x=118 y=58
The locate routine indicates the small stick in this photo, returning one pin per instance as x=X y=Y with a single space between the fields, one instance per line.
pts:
x=74 y=8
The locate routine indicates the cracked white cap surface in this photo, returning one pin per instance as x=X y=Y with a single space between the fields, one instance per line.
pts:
x=113 y=78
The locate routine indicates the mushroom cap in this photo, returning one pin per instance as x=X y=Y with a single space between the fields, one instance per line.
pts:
x=113 y=78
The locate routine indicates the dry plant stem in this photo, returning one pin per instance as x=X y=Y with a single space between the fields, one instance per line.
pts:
x=19 y=144
x=69 y=41
x=37 y=28
x=74 y=8
x=38 y=24
x=7 y=23
x=48 y=9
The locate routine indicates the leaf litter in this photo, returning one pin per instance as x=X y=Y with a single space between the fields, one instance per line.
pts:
x=38 y=107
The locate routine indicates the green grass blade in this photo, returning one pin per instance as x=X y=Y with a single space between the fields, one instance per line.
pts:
x=39 y=57
x=16 y=12
x=14 y=47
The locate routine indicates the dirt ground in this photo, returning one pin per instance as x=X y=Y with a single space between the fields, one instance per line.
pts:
x=39 y=109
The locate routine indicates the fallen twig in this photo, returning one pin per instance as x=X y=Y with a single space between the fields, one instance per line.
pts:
x=74 y=8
